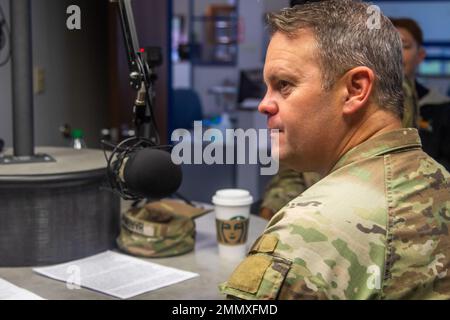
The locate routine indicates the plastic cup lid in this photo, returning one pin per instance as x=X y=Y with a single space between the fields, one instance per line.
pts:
x=232 y=197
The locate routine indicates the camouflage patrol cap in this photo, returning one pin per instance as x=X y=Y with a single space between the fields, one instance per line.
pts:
x=159 y=229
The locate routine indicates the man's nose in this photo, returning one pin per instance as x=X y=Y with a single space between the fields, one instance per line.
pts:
x=268 y=106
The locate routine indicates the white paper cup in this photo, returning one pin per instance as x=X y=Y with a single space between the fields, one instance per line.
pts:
x=232 y=209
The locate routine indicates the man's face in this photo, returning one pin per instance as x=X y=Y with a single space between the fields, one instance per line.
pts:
x=413 y=54
x=307 y=117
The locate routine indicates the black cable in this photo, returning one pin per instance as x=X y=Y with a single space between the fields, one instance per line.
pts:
x=4 y=27
x=153 y=126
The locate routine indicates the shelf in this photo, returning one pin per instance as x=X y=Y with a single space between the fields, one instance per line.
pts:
x=214 y=35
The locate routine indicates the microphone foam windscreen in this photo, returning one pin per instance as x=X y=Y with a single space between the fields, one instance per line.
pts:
x=151 y=173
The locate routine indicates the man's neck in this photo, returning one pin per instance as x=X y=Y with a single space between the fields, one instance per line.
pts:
x=377 y=123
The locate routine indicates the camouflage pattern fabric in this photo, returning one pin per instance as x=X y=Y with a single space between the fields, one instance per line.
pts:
x=410 y=105
x=142 y=234
x=375 y=228
x=285 y=186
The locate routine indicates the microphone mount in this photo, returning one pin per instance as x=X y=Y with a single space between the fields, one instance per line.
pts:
x=142 y=63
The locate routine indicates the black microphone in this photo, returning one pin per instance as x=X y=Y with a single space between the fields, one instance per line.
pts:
x=138 y=169
x=150 y=173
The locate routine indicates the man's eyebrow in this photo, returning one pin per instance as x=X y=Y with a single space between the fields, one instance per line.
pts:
x=273 y=77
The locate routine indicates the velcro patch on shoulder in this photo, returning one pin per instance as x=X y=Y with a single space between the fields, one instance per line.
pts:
x=268 y=243
x=249 y=274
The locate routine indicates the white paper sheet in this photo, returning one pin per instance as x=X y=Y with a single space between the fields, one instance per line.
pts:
x=116 y=274
x=8 y=291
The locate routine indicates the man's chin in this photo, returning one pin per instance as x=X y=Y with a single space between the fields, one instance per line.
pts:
x=293 y=163
x=285 y=160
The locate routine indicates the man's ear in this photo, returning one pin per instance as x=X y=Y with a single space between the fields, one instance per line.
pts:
x=359 y=84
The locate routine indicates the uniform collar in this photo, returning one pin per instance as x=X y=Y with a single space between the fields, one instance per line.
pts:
x=392 y=141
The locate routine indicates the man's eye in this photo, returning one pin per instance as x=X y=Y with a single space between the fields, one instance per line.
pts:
x=284 y=86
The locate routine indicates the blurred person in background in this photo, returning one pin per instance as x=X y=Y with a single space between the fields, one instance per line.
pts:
x=431 y=111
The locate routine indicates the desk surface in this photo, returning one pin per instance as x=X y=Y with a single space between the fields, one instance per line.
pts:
x=204 y=260
x=68 y=160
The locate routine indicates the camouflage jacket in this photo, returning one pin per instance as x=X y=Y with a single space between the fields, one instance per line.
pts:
x=285 y=186
x=375 y=228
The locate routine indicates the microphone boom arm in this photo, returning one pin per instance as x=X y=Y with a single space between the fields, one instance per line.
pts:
x=142 y=76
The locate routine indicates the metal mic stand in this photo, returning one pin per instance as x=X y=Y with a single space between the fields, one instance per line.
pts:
x=142 y=63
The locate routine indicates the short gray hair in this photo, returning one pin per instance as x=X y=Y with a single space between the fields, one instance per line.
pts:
x=345 y=41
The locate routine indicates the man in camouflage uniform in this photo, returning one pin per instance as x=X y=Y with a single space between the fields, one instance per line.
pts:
x=376 y=225
x=288 y=184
